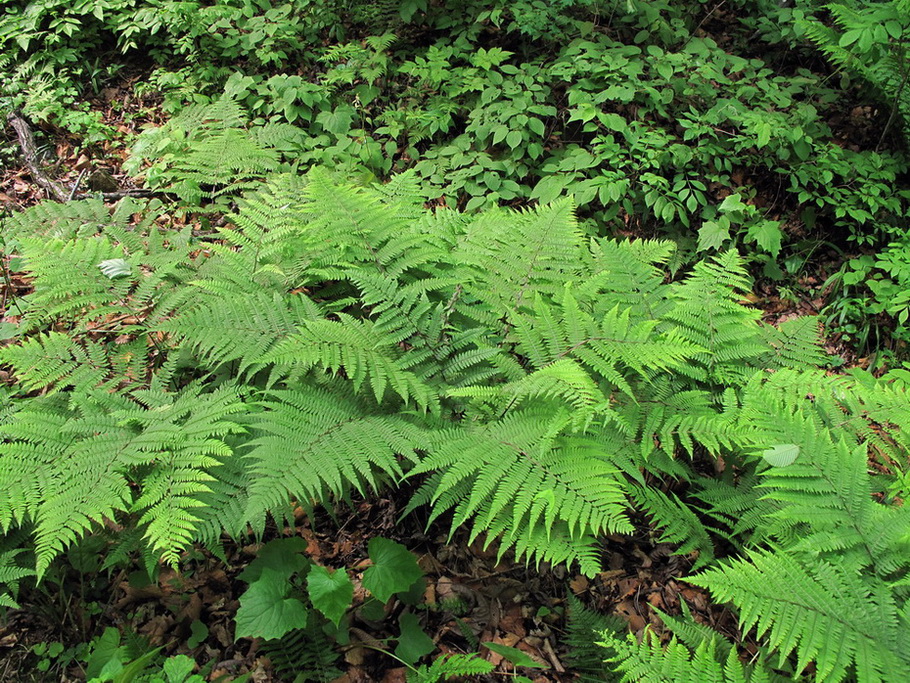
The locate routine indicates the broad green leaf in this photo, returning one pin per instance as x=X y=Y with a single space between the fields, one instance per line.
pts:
x=763 y=133
x=514 y=655
x=198 y=633
x=413 y=643
x=178 y=668
x=499 y=134
x=337 y=121
x=614 y=122
x=781 y=455
x=8 y=331
x=733 y=202
x=105 y=648
x=282 y=556
x=711 y=235
x=266 y=611
x=549 y=188
x=115 y=267
x=331 y=591
x=394 y=569
x=768 y=236
x=513 y=139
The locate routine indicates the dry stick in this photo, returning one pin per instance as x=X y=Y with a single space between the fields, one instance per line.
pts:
x=76 y=185
x=56 y=190
x=30 y=153
x=120 y=194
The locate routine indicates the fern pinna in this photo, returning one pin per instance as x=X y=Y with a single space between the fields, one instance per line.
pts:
x=534 y=381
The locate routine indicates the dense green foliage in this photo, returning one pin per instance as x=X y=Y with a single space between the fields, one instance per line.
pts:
x=455 y=313
x=532 y=378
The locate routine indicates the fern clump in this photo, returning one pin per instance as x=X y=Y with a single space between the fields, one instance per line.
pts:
x=532 y=381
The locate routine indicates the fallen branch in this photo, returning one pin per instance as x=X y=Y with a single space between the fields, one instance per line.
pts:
x=30 y=153
x=54 y=189
x=120 y=194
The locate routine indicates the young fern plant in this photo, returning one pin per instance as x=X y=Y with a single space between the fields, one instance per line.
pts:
x=531 y=380
x=869 y=42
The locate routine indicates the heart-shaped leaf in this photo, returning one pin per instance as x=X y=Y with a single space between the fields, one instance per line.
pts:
x=394 y=569
x=330 y=592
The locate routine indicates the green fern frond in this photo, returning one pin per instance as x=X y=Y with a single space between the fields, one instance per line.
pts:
x=184 y=435
x=240 y=328
x=311 y=443
x=583 y=628
x=826 y=488
x=11 y=573
x=516 y=478
x=628 y=274
x=56 y=360
x=824 y=613
x=650 y=662
x=207 y=151
x=509 y=257
x=308 y=652
x=709 y=316
x=678 y=523
x=449 y=666
x=360 y=350
x=73 y=221
x=795 y=344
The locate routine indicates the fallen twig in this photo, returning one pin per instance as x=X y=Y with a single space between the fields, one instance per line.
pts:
x=30 y=153
x=120 y=194
x=76 y=184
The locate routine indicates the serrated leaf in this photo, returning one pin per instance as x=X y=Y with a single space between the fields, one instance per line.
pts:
x=337 y=121
x=614 y=122
x=115 y=267
x=266 y=611
x=711 y=235
x=781 y=455
x=178 y=668
x=513 y=655
x=330 y=591
x=768 y=236
x=394 y=569
x=732 y=202
x=413 y=643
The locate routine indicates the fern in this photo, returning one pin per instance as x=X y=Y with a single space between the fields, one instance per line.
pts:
x=709 y=316
x=311 y=443
x=678 y=522
x=869 y=42
x=205 y=151
x=307 y=654
x=450 y=666
x=530 y=382
x=825 y=613
x=11 y=573
x=520 y=480
x=650 y=662
x=583 y=628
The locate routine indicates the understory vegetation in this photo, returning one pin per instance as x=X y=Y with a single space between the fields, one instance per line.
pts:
x=529 y=278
